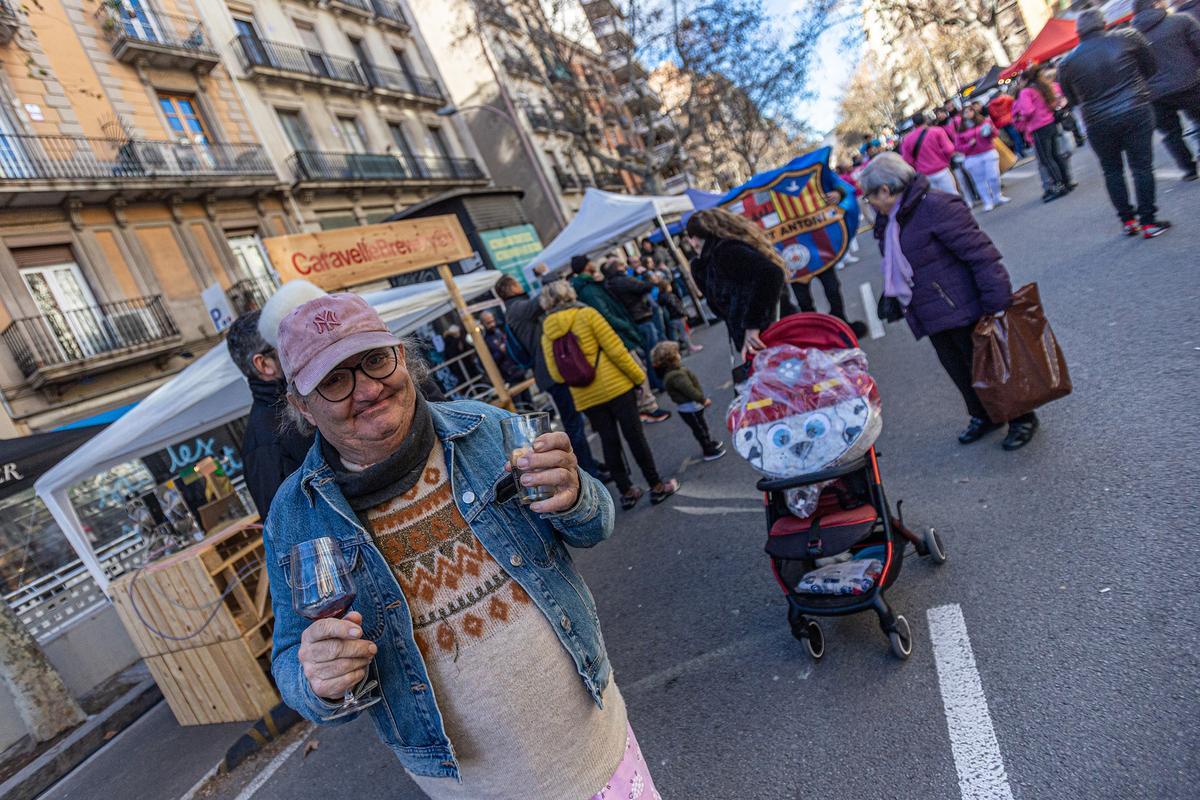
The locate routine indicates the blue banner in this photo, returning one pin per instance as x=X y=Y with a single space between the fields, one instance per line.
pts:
x=789 y=204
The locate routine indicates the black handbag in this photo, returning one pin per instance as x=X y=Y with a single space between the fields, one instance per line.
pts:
x=889 y=309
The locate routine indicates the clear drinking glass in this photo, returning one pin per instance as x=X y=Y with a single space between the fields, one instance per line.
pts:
x=322 y=587
x=519 y=433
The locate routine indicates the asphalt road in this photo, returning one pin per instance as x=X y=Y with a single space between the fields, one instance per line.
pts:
x=1073 y=561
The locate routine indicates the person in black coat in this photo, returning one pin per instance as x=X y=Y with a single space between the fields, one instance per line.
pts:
x=739 y=272
x=1175 y=87
x=272 y=448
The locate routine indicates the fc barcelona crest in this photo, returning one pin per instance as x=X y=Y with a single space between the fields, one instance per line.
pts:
x=789 y=204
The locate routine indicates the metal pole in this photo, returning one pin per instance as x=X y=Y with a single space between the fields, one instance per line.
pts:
x=472 y=327
x=684 y=267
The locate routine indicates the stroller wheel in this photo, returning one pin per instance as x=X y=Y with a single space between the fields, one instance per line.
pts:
x=815 y=642
x=901 y=639
x=933 y=544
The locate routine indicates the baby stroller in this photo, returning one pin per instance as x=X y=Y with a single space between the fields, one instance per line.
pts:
x=852 y=516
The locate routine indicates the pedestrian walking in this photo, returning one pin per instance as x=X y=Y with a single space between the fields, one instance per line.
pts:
x=929 y=149
x=525 y=316
x=739 y=272
x=974 y=137
x=1108 y=76
x=495 y=684
x=1000 y=110
x=272 y=449
x=1034 y=114
x=576 y=339
x=1175 y=87
x=588 y=283
x=944 y=273
x=634 y=295
x=676 y=315
x=685 y=391
x=497 y=344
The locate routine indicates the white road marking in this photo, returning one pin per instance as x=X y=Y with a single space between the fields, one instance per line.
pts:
x=702 y=491
x=870 y=309
x=198 y=785
x=981 y=774
x=278 y=761
x=701 y=511
x=656 y=680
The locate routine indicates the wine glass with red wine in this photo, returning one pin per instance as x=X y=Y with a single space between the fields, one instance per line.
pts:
x=323 y=588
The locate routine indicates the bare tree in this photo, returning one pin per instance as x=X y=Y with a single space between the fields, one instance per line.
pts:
x=868 y=105
x=42 y=699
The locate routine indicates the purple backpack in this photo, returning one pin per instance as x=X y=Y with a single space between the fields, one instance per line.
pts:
x=572 y=364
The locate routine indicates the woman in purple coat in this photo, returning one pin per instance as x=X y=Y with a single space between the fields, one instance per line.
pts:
x=943 y=273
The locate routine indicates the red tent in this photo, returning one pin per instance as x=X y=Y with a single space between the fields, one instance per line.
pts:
x=1055 y=39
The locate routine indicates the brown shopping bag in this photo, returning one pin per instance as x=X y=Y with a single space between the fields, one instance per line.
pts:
x=1018 y=365
x=1007 y=158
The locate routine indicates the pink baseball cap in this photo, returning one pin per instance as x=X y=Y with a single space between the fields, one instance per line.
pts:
x=322 y=333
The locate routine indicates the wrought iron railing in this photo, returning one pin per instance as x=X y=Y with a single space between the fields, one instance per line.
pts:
x=53 y=601
x=255 y=53
x=492 y=11
x=610 y=180
x=567 y=181
x=521 y=66
x=251 y=293
x=399 y=81
x=77 y=335
x=143 y=26
x=391 y=13
x=25 y=157
x=315 y=165
x=357 y=5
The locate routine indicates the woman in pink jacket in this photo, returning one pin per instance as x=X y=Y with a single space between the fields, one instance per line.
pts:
x=974 y=137
x=1033 y=114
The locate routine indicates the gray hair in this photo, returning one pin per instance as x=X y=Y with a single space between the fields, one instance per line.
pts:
x=886 y=169
x=556 y=296
x=415 y=363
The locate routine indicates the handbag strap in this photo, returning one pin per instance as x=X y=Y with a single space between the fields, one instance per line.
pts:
x=919 y=142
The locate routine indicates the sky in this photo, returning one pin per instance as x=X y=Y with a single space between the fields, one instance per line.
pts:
x=831 y=69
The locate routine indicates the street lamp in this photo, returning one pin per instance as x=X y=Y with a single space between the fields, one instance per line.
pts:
x=449 y=110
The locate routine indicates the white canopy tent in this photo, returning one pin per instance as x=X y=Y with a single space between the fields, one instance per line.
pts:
x=206 y=394
x=606 y=219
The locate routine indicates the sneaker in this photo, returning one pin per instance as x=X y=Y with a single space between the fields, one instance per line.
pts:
x=695 y=348
x=717 y=452
x=1131 y=227
x=976 y=429
x=1152 y=229
x=665 y=490
x=1019 y=434
x=662 y=415
x=1003 y=201
x=989 y=207
x=1190 y=176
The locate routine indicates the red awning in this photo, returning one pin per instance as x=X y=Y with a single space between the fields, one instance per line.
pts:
x=1055 y=39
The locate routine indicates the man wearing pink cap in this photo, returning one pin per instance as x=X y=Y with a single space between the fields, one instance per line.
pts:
x=469 y=613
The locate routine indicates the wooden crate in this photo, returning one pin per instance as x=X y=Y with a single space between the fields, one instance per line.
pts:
x=222 y=682
x=185 y=597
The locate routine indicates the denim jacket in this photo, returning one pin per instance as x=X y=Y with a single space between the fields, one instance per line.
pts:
x=530 y=546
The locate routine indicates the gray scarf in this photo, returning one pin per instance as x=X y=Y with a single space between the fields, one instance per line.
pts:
x=394 y=475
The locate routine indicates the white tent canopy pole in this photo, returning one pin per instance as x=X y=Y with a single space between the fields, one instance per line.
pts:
x=205 y=395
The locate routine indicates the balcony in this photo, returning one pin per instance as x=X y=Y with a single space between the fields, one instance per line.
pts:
x=51 y=348
x=675 y=184
x=492 y=12
x=570 y=182
x=640 y=97
x=9 y=21
x=251 y=293
x=315 y=169
x=625 y=67
x=407 y=85
x=521 y=66
x=612 y=34
x=96 y=169
x=158 y=40
x=359 y=7
x=265 y=59
x=391 y=14
x=610 y=180
x=597 y=10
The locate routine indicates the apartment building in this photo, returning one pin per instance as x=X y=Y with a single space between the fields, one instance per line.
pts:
x=542 y=106
x=344 y=95
x=131 y=180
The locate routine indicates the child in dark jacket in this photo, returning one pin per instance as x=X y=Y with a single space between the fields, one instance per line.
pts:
x=684 y=389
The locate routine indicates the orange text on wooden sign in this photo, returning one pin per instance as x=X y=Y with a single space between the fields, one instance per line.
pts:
x=350 y=256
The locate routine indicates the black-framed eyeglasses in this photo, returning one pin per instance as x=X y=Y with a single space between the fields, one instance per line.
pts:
x=339 y=383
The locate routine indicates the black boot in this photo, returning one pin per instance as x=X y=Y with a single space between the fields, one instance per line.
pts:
x=1020 y=433
x=976 y=429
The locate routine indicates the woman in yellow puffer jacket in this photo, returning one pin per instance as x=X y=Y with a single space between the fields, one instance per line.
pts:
x=609 y=401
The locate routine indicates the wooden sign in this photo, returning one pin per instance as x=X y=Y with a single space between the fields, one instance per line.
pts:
x=350 y=256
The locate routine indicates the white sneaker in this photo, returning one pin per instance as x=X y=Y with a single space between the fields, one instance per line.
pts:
x=988 y=207
x=1004 y=200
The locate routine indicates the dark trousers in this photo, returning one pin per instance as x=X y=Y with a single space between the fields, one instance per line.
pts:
x=1131 y=135
x=1048 y=146
x=956 y=350
x=1166 y=119
x=833 y=294
x=612 y=420
x=649 y=331
x=572 y=422
x=695 y=420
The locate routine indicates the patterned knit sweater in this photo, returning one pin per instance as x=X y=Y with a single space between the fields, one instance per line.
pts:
x=520 y=721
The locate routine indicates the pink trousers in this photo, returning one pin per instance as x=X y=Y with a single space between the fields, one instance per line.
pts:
x=632 y=779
